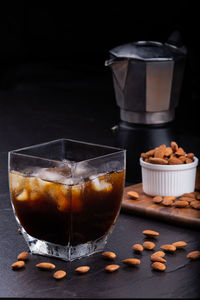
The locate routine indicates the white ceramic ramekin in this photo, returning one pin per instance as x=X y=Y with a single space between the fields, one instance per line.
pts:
x=168 y=180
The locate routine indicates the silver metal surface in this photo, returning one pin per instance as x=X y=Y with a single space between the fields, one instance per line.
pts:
x=143 y=50
x=147 y=117
x=158 y=85
x=120 y=72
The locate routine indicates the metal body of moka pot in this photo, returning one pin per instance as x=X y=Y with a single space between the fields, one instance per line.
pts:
x=147 y=77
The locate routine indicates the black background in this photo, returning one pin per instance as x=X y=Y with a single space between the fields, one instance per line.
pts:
x=65 y=29
x=53 y=84
x=41 y=41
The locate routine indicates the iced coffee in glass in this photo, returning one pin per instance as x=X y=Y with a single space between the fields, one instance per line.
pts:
x=66 y=196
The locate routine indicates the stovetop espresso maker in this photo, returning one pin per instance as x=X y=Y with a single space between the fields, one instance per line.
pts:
x=147 y=78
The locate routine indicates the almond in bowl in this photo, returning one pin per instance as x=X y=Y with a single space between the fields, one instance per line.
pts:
x=168 y=171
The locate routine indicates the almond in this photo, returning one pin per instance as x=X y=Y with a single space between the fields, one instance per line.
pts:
x=190 y=155
x=23 y=256
x=168 y=151
x=82 y=269
x=158 y=253
x=112 y=268
x=181 y=203
x=133 y=195
x=59 y=274
x=150 y=153
x=109 y=255
x=158 y=266
x=131 y=262
x=189 y=195
x=180 y=244
x=184 y=198
x=194 y=255
x=137 y=248
x=159 y=153
x=149 y=245
x=188 y=160
x=174 y=161
x=158 y=258
x=157 y=199
x=150 y=233
x=18 y=265
x=159 y=161
x=143 y=155
x=180 y=152
x=198 y=196
x=182 y=158
x=45 y=266
x=174 y=146
x=163 y=147
x=168 y=248
x=167 y=201
x=146 y=160
x=195 y=204
x=169 y=198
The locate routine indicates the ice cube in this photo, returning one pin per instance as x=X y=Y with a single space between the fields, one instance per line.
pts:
x=33 y=187
x=94 y=176
x=62 y=197
x=68 y=181
x=43 y=185
x=30 y=171
x=84 y=170
x=37 y=187
x=101 y=185
x=33 y=183
x=81 y=169
x=55 y=192
x=23 y=196
x=57 y=175
x=17 y=183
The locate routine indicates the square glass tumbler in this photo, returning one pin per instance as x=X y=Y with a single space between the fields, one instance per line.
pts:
x=66 y=196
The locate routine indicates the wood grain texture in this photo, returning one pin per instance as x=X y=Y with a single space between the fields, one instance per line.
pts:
x=146 y=207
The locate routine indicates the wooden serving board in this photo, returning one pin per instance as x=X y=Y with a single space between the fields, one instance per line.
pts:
x=144 y=206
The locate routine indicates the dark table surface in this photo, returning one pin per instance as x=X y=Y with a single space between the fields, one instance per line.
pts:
x=82 y=107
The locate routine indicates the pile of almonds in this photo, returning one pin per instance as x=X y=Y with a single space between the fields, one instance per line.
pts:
x=164 y=155
x=158 y=262
x=190 y=200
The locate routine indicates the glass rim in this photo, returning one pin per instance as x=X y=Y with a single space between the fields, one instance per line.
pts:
x=17 y=151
